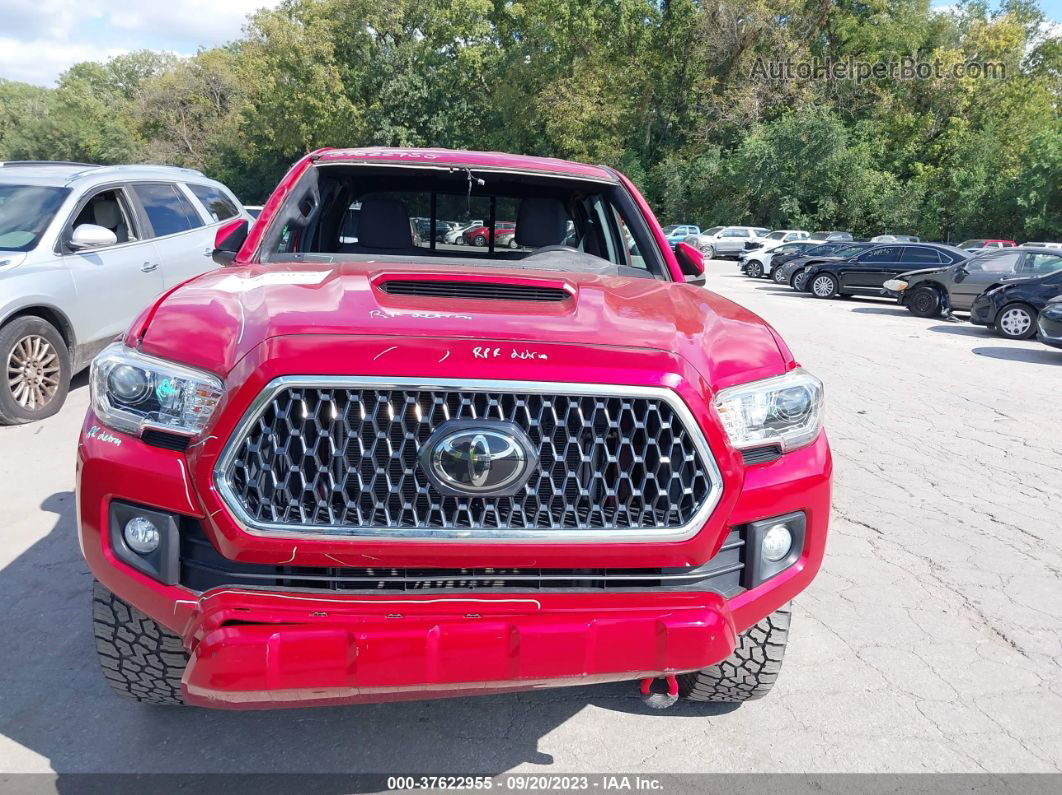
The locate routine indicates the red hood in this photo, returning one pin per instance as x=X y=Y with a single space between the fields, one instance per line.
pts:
x=213 y=321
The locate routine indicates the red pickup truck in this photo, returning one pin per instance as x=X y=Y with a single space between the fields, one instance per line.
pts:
x=334 y=472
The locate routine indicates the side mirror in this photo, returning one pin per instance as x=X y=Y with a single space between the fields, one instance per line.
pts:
x=88 y=236
x=228 y=240
x=691 y=263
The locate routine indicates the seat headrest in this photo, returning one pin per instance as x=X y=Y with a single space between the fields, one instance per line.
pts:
x=384 y=223
x=107 y=213
x=541 y=221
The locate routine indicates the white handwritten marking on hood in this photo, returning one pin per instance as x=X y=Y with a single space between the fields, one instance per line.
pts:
x=240 y=284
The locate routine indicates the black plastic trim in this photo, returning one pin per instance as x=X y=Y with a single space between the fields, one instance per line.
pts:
x=441 y=288
x=167 y=441
x=164 y=564
x=204 y=568
x=761 y=455
x=757 y=568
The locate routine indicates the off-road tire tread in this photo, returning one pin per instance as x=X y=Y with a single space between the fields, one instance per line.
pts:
x=751 y=671
x=141 y=660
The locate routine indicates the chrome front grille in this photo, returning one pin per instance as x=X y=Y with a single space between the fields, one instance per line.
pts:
x=339 y=456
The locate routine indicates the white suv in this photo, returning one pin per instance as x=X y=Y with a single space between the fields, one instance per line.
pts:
x=730 y=241
x=83 y=249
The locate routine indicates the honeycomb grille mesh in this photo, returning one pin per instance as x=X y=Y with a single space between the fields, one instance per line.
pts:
x=348 y=458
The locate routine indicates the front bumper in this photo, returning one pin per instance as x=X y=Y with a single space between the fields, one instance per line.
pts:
x=283 y=645
x=982 y=312
x=1049 y=329
x=266 y=650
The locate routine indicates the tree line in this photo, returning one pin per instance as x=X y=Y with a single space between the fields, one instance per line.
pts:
x=673 y=92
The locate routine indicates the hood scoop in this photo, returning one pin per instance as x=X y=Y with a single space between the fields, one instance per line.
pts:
x=478 y=289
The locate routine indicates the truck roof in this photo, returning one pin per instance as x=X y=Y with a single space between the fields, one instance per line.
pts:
x=494 y=161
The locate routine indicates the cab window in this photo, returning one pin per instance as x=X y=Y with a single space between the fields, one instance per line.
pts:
x=109 y=209
x=220 y=206
x=1042 y=263
x=882 y=254
x=167 y=210
x=919 y=255
x=1005 y=262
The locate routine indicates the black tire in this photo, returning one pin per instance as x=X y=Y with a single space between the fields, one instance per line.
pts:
x=708 y=252
x=751 y=671
x=141 y=660
x=479 y=240
x=924 y=301
x=796 y=281
x=754 y=269
x=822 y=285
x=26 y=331
x=1008 y=325
x=513 y=243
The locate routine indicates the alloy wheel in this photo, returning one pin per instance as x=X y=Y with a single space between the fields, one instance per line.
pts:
x=33 y=372
x=778 y=276
x=822 y=286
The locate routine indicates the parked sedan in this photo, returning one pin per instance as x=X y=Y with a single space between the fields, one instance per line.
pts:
x=896 y=239
x=867 y=272
x=457 y=235
x=832 y=237
x=791 y=268
x=922 y=291
x=1049 y=323
x=480 y=235
x=1011 y=308
x=784 y=236
x=424 y=230
x=759 y=261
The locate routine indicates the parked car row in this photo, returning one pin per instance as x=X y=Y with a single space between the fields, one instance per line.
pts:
x=1008 y=289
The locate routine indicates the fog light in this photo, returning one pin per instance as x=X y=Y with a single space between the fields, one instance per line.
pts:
x=777 y=542
x=141 y=535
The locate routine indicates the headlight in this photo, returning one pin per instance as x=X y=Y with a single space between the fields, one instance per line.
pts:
x=786 y=410
x=131 y=391
x=896 y=285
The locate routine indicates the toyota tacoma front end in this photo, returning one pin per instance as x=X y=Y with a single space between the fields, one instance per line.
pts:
x=339 y=472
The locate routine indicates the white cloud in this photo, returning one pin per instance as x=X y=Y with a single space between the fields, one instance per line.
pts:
x=41 y=61
x=41 y=38
x=202 y=22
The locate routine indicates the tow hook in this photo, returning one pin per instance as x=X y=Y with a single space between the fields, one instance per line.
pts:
x=660 y=700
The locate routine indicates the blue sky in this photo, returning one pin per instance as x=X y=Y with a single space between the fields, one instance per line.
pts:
x=41 y=38
x=1052 y=8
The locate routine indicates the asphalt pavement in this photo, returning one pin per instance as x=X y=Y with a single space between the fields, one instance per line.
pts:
x=931 y=640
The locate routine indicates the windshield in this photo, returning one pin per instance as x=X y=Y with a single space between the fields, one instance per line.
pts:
x=971 y=244
x=25 y=212
x=776 y=235
x=529 y=221
x=669 y=229
x=714 y=230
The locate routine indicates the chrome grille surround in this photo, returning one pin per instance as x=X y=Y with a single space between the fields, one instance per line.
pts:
x=338 y=485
